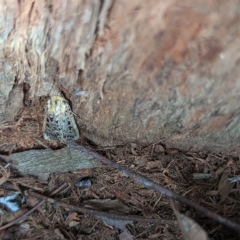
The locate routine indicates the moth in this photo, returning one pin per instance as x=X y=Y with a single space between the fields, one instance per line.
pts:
x=59 y=122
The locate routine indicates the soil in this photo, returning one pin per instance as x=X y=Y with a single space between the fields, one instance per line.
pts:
x=170 y=168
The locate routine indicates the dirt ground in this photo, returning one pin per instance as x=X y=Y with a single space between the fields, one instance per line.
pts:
x=108 y=190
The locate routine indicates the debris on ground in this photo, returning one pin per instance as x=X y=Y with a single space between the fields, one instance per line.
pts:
x=210 y=180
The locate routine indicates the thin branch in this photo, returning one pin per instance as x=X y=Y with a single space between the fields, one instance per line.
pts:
x=152 y=185
x=102 y=214
x=33 y=209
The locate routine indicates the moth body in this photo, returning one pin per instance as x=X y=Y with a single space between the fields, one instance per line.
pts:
x=59 y=121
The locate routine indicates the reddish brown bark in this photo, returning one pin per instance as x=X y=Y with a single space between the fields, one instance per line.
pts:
x=154 y=70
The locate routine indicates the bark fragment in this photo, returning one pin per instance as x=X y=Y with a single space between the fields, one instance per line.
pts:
x=48 y=161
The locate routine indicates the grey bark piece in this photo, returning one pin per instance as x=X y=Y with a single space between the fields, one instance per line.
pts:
x=202 y=175
x=48 y=161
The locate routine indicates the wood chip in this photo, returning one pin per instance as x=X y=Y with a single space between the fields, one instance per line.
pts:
x=48 y=161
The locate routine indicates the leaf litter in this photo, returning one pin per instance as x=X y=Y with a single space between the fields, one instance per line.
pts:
x=217 y=189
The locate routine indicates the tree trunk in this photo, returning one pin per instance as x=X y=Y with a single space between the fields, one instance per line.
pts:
x=146 y=71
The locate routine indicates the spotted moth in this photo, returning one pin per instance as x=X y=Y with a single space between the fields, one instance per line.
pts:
x=59 y=122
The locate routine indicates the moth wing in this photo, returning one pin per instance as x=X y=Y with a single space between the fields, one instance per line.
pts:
x=59 y=122
x=69 y=127
x=52 y=127
x=46 y=127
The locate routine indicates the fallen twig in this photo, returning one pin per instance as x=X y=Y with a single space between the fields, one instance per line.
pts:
x=152 y=185
x=33 y=209
x=102 y=214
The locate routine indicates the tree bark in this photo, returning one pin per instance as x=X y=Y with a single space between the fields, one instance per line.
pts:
x=152 y=70
x=51 y=161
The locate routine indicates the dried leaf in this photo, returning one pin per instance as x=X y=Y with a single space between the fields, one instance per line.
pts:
x=6 y=235
x=141 y=160
x=159 y=148
x=148 y=193
x=224 y=186
x=12 y=185
x=155 y=235
x=59 y=234
x=107 y=205
x=120 y=224
x=133 y=149
x=172 y=151
x=189 y=228
x=121 y=194
x=73 y=224
x=4 y=174
x=154 y=164
x=83 y=172
x=219 y=171
x=2 y=234
x=72 y=217
x=32 y=201
x=10 y=217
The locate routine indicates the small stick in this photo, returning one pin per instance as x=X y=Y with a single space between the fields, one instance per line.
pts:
x=202 y=176
x=152 y=185
x=33 y=209
x=102 y=214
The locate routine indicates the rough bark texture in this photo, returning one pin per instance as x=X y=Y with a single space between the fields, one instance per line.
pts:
x=154 y=70
x=49 y=161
